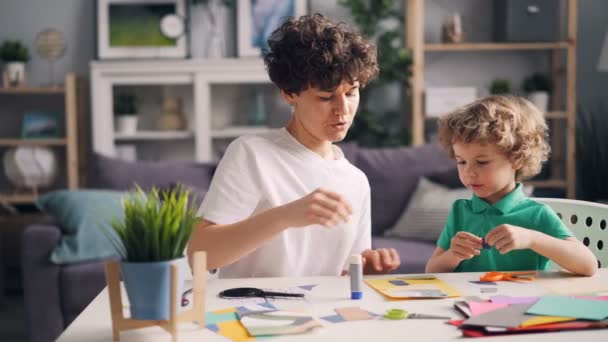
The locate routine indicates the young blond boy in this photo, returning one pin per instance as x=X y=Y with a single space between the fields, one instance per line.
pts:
x=497 y=142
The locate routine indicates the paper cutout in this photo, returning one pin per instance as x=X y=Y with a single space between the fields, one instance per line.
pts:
x=545 y=320
x=571 y=307
x=417 y=288
x=488 y=290
x=307 y=287
x=572 y=285
x=477 y=308
x=463 y=308
x=278 y=322
x=508 y=317
x=334 y=319
x=398 y=282
x=354 y=314
x=225 y=322
x=479 y=282
x=514 y=300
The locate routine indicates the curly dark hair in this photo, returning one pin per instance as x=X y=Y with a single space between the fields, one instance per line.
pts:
x=313 y=51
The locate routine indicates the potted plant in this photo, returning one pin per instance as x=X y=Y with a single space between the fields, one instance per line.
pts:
x=500 y=86
x=125 y=111
x=14 y=55
x=153 y=236
x=538 y=86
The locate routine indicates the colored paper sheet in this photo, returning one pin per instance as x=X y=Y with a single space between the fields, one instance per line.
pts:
x=353 y=314
x=508 y=317
x=571 y=307
x=538 y=320
x=277 y=322
x=478 y=308
x=417 y=288
x=225 y=322
x=513 y=300
x=307 y=287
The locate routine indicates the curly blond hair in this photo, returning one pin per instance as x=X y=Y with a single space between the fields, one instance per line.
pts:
x=513 y=124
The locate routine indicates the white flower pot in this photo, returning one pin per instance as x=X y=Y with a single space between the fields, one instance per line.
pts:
x=126 y=124
x=15 y=71
x=540 y=99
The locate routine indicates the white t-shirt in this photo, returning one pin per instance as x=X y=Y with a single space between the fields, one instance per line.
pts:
x=260 y=172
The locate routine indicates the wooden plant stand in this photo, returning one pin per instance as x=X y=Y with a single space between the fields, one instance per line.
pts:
x=195 y=313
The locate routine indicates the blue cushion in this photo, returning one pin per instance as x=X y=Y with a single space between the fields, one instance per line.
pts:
x=84 y=217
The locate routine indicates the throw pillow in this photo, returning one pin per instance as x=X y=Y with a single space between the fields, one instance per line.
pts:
x=428 y=210
x=84 y=217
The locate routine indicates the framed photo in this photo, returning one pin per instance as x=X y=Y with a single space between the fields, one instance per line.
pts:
x=257 y=19
x=41 y=125
x=141 y=29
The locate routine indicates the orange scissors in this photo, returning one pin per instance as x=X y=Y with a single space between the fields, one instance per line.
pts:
x=509 y=276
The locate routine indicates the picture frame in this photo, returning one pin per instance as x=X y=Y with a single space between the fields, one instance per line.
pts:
x=41 y=125
x=257 y=19
x=132 y=29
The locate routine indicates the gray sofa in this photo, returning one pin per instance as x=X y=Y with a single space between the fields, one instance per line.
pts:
x=56 y=294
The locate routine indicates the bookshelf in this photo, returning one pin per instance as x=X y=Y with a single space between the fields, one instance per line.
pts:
x=563 y=171
x=72 y=92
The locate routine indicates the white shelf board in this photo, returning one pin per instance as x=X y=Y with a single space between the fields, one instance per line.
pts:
x=154 y=135
x=235 y=131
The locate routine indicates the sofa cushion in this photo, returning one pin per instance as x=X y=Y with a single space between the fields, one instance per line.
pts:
x=393 y=174
x=413 y=253
x=117 y=174
x=84 y=217
x=427 y=211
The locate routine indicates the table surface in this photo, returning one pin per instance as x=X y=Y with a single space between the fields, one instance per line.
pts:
x=94 y=323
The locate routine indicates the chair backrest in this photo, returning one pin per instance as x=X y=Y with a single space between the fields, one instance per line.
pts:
x=587 y=220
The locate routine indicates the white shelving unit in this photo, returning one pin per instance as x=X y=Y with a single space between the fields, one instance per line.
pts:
x=211 y=89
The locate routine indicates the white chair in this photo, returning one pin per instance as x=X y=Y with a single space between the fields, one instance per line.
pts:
x=587 y=220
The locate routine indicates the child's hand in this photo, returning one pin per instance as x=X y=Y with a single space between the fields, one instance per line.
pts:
x=323 y=207
x=465 y=245
x=379 y=261
x=507 y=238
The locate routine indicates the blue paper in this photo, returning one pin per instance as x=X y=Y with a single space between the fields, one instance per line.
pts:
x=570 y=307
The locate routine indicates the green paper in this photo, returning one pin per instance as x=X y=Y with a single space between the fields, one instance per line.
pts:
x=570 y=307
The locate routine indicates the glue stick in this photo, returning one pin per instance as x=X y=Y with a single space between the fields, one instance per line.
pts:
x=355 y=270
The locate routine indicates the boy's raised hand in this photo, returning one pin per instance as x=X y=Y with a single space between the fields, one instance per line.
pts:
x=506 y=238
x=380 y=261
x=321 y=206
x=465 y=245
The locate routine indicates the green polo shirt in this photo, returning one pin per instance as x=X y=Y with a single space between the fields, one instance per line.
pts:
x=478 y=217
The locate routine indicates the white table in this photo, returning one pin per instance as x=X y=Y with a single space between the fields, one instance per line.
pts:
x=94 y=323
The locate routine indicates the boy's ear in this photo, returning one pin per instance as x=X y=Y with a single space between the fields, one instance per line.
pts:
x=517 y=164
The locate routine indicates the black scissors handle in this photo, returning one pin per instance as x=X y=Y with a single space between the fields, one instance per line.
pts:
x=282 y=294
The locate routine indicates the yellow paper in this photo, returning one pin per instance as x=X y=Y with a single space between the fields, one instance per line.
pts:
x=545 y=320
x=384 y=286
x=235 y=331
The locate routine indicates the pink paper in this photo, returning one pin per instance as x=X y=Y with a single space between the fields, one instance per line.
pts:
x=483 y=307
x=514 y=300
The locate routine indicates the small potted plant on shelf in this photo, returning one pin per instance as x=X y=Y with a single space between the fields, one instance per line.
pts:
x=125 y=111
x=14 y=55
x=537 y=87
x=152 y=237
x=500 y=86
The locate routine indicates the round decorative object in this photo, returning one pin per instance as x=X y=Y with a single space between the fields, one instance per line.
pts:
x=172 y=26
x=30 y=167
x=50 y=44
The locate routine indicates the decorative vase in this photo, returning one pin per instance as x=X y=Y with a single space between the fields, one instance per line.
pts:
x=540 y=99
x=15 y=73
x=126 y=124
x=148 y=286
x=171 y=117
